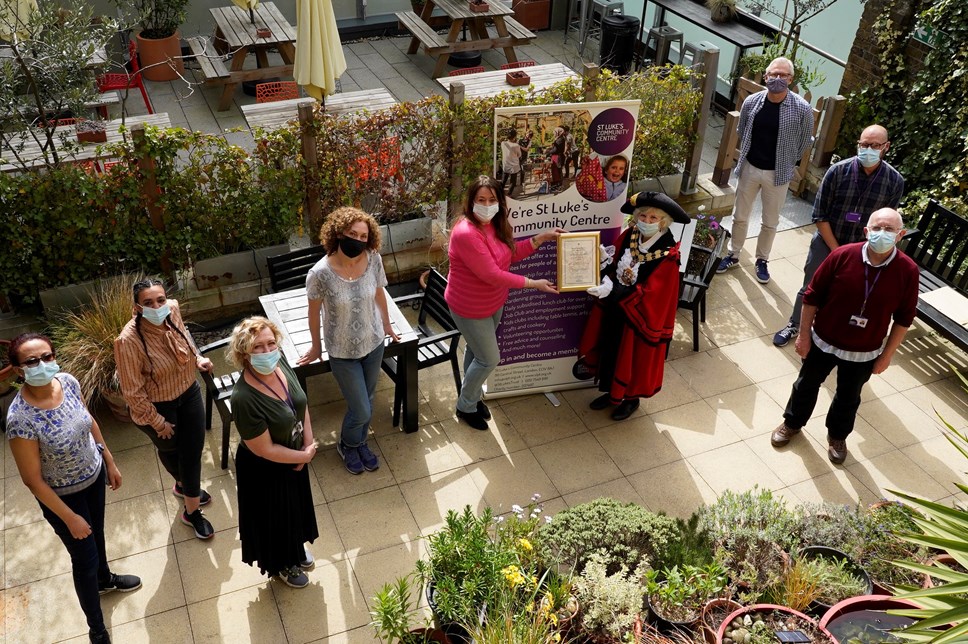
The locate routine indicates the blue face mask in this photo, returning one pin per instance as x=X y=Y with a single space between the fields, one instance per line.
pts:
x=41 y=374
x=777 y=85
x=156 y=316
x=647 y=230
x=868 y=157
x=265 y=363
x=881 y=241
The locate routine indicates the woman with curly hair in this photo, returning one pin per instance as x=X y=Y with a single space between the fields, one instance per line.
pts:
x=347 y=286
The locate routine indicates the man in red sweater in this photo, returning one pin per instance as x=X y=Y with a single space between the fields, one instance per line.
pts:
x=859 y=292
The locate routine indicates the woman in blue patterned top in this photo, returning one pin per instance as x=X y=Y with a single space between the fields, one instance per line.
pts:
x=61 y=457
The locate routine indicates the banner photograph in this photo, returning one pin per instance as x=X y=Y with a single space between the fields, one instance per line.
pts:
x=562 y=166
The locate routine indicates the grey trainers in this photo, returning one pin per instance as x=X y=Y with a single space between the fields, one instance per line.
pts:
x=836 y=450
x=784 y=335
x=294 y=577
x=782 y=435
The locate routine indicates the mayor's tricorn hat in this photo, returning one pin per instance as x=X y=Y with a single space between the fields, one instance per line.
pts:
x=656 y=200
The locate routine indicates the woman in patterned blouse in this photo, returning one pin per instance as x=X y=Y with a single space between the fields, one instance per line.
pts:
x=61 y=457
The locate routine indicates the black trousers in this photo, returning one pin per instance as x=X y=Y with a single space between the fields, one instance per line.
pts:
x=851 y=377
x=181 y=455
x=89 y=563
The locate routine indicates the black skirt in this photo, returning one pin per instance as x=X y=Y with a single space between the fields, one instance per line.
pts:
x=276 y=516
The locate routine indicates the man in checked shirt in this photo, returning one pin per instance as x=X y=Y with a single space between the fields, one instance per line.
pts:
x=775 y=129
x=850 y=191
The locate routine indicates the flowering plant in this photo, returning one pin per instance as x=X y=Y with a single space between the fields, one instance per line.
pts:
x=707 y=226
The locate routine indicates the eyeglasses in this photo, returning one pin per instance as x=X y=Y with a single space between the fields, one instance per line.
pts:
x=885 y=229
x=872 y=146
x=33 y=362
x=778 y=75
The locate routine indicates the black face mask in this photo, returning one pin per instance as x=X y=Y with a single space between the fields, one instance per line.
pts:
x=351 y=247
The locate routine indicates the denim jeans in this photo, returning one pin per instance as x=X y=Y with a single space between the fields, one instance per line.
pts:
x=481 y=356
x=851 y=377
x=89 y=563
x=182 y=453
x=357 y=378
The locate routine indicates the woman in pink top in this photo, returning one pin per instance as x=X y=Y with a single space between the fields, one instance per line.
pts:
x=481 y=250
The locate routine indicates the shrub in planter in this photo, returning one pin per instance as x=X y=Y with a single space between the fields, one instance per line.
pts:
x=798 y=588
x=882 y=544
x=677 y=595
x=836 y=575
x=395 y=612
x=610 y=603
x=623 y=533
x=91 y=131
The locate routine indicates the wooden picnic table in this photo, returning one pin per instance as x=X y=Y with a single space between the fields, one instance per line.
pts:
x=289 y=310
x=510 y=33
x=274 y=115
x=494 y=82
x=28 y=146
x=235 y=35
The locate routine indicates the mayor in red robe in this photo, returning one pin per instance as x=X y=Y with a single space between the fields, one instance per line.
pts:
x=629 y=328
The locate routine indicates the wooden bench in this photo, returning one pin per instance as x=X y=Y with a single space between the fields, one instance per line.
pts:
x=288 y=271
x=940 y=249
x=692 y=288
x=274 y=115
x=433 y=43
x=211 y=64
x=521 y=34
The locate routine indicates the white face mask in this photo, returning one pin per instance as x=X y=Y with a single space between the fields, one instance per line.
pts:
x=485 y=213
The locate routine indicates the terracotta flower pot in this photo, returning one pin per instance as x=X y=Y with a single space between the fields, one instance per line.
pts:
x=721 y=633
x=517 y=79
x=153 y=51
x=478 y=7
x=862 y=603
x=95 y=136
x=712 y=606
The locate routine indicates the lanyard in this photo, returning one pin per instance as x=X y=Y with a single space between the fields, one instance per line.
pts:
x=288 y=399
x=868 y=288
x=870 y=183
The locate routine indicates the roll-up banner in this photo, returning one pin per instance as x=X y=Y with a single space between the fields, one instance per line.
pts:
x=539 y=332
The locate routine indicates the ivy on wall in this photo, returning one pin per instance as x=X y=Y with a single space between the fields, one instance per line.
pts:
x=927 y=116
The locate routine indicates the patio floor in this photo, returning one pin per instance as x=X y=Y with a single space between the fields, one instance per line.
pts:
x=705 y=432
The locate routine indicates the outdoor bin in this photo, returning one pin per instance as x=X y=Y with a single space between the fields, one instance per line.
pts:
x=618 y=42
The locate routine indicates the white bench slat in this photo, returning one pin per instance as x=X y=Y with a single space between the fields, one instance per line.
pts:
x=276 y=114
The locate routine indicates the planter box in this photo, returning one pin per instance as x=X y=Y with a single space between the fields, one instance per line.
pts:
x=68 y=297
x=415 y=234
x=97 y=136
x=478 y=7
x=533 y=14
x=238 y=267
x=518 y=79
x=263 y=32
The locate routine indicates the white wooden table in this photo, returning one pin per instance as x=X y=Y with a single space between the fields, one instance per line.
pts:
x=274 y=115
x=494 y=82
x=23 y=150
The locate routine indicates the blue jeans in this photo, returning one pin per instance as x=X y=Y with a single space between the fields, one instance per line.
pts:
x=357 y=378
x=481 y=357
x=89 y=563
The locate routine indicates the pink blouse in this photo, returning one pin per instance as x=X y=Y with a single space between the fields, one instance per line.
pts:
x=479 y=280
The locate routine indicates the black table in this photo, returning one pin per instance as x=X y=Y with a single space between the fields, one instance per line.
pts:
x=289 y=310
x=745 y=31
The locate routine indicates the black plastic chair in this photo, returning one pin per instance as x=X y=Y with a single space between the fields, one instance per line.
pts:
x=218 y=393
x=692 y=288
x=288 y=271
x=433 y=347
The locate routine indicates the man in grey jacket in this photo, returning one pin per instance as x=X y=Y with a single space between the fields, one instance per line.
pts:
x=775 y=129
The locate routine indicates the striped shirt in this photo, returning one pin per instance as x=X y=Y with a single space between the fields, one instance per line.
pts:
x=796 y=132
x=167 y=375
x=846 y=188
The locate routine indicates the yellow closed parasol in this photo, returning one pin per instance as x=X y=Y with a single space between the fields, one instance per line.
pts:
x=319 y=53
x=14 y=16
x=248 y=5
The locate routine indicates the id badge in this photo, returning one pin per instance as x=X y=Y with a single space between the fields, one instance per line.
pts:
x=858 y=321
x=295 y=437
x=853 y=217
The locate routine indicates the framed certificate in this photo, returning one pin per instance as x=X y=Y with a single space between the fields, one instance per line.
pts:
x=578 y=261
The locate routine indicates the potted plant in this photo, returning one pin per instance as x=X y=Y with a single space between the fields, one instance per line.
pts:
x=159 y=46
x=721 y=10
x=478 y=6
x=91 y=131
x=611 y=603
x=759 y=623
x=517 y=78
x=881 y=545
x=866 y=619
x=836 y=575
x=84 y=339
x=677 y=595
x=395 y=611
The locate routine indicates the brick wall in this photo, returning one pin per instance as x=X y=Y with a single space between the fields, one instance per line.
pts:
x=862 y=63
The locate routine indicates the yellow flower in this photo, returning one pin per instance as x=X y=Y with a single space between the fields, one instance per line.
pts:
x=513 y=576
x=525 y=544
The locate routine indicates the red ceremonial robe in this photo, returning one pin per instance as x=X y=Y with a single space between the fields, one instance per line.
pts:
x=649 y=320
